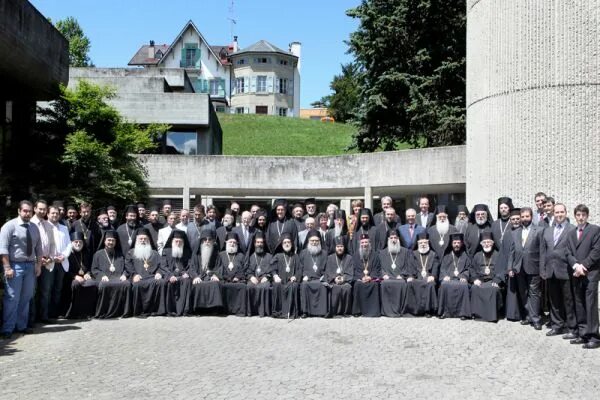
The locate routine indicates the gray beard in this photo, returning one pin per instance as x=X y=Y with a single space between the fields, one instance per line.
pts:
x=176 y=252
x=337 y=230
x=259 y=250
x=142 y=251
x=364 y=253
x=314 y=249
x=231 y=249
x=480 y=222
x=393 y=248
x=442 y=227
x=205 y=255
x=459 y=224
x=424 y=251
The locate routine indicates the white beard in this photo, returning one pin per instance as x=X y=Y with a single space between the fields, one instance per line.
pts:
x=364 y=253
x=488 y=249
x=393 y=248
x=205 y=254
x=231 y=248
x=442 y=227
x=286 y=247
x=480 y=221
x=176 y=251
x=77 y=247
x=337 y=230
x=424 y=250
x=314 y=249
x=142 y=251
x=226 y=224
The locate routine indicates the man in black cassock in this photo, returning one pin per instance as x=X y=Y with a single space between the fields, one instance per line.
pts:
x=113 y=218
x=142 y=218
x=480 y=219
x=86 y=226
x=440 y=231
x=311 y=208
x=486 y=276
x=453 y=293
x=149 y=288
x=523 y=264
x=389 y=223
x=397 y=271
x=366 y=227
x=233 y=269
x=101 y=225
x=175 y=262
x=114 y=289
x=298 y=216
x=166 y=210
x=367 y=273
x=206 y=273
x=501 y=226
x=127 y=230
x=280 y=223
x=422 y=296
x=339 y=273
x=153 y=225
x=287 y=274
x=261 y=221
x=84 y=289
x=228 y=223
x=313 y=291
x=514 y=310
x=339 y=230
x=258 y=276
x=462 y=219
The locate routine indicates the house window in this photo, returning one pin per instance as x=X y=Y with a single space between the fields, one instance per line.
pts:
x=182 y=143
x=282 y=112
x=262 y=60
x=239 y=110
x=283 y=84
x=239 y=85
x=283 y=62
x=220 y=109
x=261 y=84
x=262 y=110
x=241 y=61
x=214 y=87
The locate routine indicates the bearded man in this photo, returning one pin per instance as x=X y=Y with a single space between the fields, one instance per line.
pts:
x=397 y=271
x=422 y=297
x=233 y=269
x=259 y=275
x=439 y=233
x=175 y=263
x=313 y=291
x=367 y=274
x=206 y=274
x=486 y=276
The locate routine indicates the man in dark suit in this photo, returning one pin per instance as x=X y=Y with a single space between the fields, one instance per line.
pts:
x=424 y=217
x=524 y=264
x=386 y=202
x=557 y=273
x=410 y=230
x=246 y=232
x=584 y=258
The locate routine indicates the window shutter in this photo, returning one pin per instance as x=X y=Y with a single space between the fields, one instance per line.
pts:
x=290 y=87
x=276 y=85
x=206 y=87
x=252 y=84
x=269 y=84
x=222 y=87
x=197 y=57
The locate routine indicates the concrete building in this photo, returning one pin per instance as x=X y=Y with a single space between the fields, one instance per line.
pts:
x=533 y=101
x=34 y=60
x=317 y=113
x=163 y=96
x=260 y=78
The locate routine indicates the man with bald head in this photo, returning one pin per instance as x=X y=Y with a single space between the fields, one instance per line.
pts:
x=410 y=230
x=245 y=232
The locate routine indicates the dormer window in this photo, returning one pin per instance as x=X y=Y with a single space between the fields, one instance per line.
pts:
x=158 y=54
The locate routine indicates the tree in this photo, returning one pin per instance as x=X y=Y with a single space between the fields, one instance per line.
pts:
x=344 y=99
x=412 y=88
x=322 y=103
x=79 y=44
x=96 y=162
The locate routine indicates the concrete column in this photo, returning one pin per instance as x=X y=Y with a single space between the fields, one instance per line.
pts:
x=368 y=197
x=186 y=197
x=346 y=204
x=206 y=201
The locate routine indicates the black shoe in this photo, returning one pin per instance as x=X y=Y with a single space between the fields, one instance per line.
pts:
x=303 y=315
x=525 y=322
x=5 y=336
x=591 y=345
x=554 y=332
x=427 y=315
x=570 y=336
x=578 y=341
x=441 y=316
x=537 y=327
x=26 y=331
x=463 y=318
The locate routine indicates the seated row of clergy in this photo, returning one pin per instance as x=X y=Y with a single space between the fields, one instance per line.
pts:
x=392 y=282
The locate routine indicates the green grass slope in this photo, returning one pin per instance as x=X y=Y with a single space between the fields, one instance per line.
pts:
x=250 y=134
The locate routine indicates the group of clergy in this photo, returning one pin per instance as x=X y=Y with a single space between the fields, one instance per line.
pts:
x=288 y=264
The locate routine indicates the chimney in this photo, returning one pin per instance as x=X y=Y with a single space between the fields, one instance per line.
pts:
x=151 y=53
x=296 y=49
x=235 y=44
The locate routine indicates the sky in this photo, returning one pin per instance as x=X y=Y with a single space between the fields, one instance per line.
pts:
x=117 y=29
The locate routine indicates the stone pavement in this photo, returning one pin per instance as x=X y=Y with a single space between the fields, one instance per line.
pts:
x=246 y=358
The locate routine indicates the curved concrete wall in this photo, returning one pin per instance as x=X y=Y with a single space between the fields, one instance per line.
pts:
x=533 y=101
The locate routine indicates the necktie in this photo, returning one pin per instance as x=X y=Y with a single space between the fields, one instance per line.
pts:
x=579 y=233
x=557 y=232
x=245 y=235
x=411 y=229
x=29 y=242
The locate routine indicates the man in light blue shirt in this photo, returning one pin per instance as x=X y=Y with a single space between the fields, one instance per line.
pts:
x=21 y=254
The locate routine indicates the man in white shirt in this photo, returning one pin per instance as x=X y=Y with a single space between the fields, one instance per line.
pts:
x=184 y=218
x=164 y=233
x=424 y=218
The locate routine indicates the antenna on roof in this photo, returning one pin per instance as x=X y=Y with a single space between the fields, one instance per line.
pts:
x=231 y=18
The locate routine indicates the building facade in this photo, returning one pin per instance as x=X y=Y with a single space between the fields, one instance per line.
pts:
x=261 y=78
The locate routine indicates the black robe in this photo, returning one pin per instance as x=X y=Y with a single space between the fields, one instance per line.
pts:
x=90 y=235
x=422 y=296
x=381 y=231
x=114 y=295
x=234 y=282
x=153 y=229
x=206 y=294
x=355 y=242
x=259 y=295
x=276 y=228
x=179 y=292
x=514 y=307
x=435 y=239
x=486 y=299
x=453 y=295
x=127 y=236
x=83 y=294
x=330 y=241
x=148 y=295
x=221 y=235
x=340 y=302
x=393 y=290
x=365 y=295
x=286 y=294
x=472 y=237
x=313 y=290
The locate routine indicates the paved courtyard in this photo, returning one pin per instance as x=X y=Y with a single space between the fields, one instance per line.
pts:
x=238 y=358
